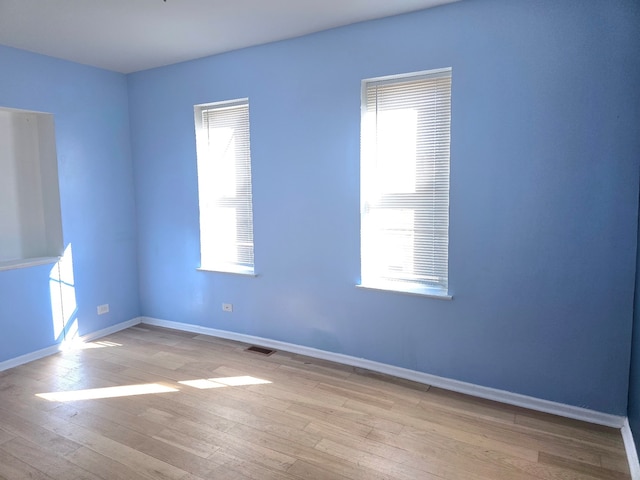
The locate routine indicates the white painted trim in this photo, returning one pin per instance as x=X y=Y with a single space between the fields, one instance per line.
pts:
x=425 y=293
x=630 y=448
x=27 y=262
x=29 y=357
x=503 y=396
x=89 y=337
x=53 y=349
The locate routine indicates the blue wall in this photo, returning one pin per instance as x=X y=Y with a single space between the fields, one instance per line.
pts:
x=634 y=375
x=544 y=188
x=90 y=108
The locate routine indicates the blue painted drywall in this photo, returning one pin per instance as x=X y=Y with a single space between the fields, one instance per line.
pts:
x=90 y=108
x=633 y=410
x=544 y=187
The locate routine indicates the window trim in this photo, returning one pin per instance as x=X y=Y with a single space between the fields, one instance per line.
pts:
x=415 y=290
x=228 y=268
x=221 y=266
x=403 y=286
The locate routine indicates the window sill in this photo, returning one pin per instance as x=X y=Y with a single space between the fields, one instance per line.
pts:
x=27 y=262
x=419 y=290
x=233 y=269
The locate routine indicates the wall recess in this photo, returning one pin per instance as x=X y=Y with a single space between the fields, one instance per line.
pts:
x=30 y=215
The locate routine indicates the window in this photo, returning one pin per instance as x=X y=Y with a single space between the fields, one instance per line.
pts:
x=30 y=217
x=405 y=182
x=224 y=186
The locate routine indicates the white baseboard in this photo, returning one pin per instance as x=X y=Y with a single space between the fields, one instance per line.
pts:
x=630 y=448
x=29 y=357
x=503 y=396
x=53 y=349
x=89 y=337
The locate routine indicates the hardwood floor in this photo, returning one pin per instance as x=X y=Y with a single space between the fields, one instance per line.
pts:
x=314 y=420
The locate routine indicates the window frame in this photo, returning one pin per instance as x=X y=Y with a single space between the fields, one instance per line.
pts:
x=236 y=202
x=398 y=200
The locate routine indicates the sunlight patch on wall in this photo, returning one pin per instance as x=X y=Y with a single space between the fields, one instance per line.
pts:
x=63 y=298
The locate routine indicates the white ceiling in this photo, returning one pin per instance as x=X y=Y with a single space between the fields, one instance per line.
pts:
x=131 y=35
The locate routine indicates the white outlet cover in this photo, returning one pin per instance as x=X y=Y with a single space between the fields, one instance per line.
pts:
x=227 y=307
x=102 y=309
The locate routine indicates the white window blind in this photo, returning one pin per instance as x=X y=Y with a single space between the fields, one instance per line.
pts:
x=224 y=187
x=405 y=182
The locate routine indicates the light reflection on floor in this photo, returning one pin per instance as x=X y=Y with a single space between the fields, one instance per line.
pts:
x=148 y=388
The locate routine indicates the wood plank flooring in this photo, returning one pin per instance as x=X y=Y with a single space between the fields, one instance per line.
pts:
x=314 y=420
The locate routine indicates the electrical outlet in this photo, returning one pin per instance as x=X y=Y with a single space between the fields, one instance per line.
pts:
x=227 y=307
x=102 y=309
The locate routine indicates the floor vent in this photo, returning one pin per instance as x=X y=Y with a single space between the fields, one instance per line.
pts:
x=260 y=350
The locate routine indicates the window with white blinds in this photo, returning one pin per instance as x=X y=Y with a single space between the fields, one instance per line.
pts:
x=405 y=182
x=224 y=186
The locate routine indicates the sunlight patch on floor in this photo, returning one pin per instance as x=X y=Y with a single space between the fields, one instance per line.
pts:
x=147 y=388
x=205 y=383
x=77 y=344
x=202 y=384
x=108 y=392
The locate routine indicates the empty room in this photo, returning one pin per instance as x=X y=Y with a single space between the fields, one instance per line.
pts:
x=334 y=240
